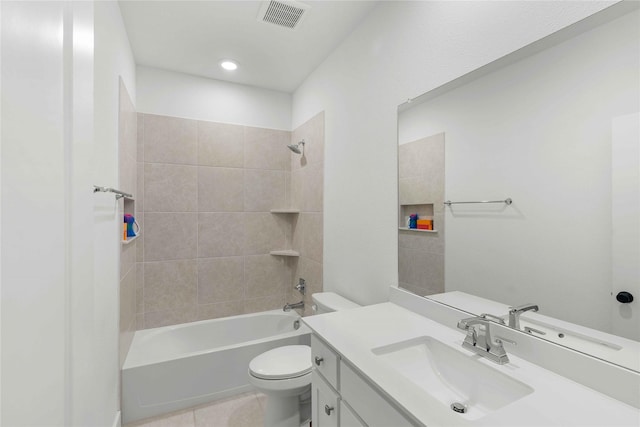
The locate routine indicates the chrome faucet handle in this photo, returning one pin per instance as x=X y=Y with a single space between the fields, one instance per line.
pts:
x=492 y=317
x=301 y=286
x=524 y=307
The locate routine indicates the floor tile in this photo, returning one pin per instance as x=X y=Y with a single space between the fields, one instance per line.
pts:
x=241 y=411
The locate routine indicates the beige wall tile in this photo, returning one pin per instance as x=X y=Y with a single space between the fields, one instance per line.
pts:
x=266 y=275
x=127 y=312
x=266 y=149
x=156 y=319
x=295 y=188
x=170 y=188
x=220 y=279
x=220 y=189
x=420 y=269
x=128 y=169
x=127 y=258
x=221 y=309
x=140 y=138
x=424 y=242
x=312 y=187
x=139 y=194
x=139 y=321
x=139 y=288
x=264 y=232
x=263 y=190
x=312 y=236
x=140 y=239
x=220 y=144
x=170 y=285
x=312 y=131
x=170 y=140
x=220 y=234
x=170 y=236
x=256 y=305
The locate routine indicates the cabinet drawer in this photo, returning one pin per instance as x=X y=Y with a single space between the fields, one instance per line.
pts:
x=374 y=409
x=324 y=402
x=325 y=361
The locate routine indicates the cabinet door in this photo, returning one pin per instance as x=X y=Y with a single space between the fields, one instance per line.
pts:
x=374 y=409
x=348 y=418
x=324 y=403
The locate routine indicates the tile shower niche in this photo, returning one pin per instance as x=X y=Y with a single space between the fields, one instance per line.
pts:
x=424 y=210
x=290 y=214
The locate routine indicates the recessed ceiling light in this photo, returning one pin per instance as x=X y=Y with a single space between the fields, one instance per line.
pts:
x=228 y=65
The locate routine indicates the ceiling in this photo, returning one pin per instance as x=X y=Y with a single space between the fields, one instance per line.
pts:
x=194 y=36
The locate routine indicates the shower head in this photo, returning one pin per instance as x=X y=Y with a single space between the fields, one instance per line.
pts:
x=296 y=147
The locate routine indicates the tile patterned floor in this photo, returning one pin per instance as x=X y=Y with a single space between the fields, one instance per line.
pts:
x=244 y=410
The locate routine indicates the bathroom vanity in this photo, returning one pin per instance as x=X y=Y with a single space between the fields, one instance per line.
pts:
x=402 y=363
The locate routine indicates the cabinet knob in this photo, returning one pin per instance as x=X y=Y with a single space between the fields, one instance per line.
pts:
x=328 y=409
x=319 y=360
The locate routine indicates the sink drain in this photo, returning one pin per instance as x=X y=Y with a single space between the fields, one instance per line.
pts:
x=459 y=407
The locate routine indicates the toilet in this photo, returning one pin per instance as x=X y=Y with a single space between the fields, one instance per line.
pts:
x=284 y=373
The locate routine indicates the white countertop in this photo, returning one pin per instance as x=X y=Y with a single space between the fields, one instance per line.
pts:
x=556 y=400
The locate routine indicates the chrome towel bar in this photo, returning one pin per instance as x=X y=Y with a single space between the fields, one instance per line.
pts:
x=119 y=194
x=507 y=201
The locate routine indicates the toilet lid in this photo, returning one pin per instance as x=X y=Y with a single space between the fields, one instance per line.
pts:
x=289 y=361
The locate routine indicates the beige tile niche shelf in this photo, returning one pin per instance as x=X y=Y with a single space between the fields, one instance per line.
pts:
x=286 y=252
x=285 y=211
x=423 y=209
x=129 y=208
x=417 y=229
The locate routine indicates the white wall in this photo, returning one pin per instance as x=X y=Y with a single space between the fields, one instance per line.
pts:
x=182 y=95
x=113 y=59
x=60 y=258
x=538 y=131
x=34 y=285
x=401 y=50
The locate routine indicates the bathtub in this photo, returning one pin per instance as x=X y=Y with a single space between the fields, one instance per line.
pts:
x=179 y=366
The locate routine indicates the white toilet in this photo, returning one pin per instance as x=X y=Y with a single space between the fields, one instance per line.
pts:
x=284 y=373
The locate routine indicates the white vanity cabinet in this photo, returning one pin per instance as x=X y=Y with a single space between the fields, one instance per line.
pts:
x=341 y=397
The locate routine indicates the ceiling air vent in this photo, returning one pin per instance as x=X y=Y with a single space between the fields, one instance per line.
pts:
x=284 y=13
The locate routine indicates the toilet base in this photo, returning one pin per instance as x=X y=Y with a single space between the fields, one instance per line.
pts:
x=286 y=411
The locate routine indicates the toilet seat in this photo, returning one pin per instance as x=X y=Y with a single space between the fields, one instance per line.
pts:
x=290 y=361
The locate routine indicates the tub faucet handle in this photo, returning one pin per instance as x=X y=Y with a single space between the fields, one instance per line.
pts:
x=301 y=286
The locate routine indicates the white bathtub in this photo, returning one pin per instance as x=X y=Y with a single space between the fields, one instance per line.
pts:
x=179 y=366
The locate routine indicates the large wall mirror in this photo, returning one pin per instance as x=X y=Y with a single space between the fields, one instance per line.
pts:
x=554 y=128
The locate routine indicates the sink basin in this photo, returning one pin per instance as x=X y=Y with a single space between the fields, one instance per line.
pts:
x=452 y=376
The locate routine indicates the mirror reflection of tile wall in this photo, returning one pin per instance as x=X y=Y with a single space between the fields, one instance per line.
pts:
x=421 y=189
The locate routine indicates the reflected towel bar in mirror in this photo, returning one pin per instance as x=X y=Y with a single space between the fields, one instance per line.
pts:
x=119 y=194
x=507 y=201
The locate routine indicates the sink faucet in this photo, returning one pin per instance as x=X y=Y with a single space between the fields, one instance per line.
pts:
x=288 y=307
x=515 y=312
x=480 y=341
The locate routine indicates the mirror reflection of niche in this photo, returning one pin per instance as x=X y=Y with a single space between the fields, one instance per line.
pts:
x=421 y=191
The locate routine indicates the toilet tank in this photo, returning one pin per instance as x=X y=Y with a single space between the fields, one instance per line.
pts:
x=326 y=302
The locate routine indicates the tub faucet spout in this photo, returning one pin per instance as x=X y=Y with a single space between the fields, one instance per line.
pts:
x=288 y=307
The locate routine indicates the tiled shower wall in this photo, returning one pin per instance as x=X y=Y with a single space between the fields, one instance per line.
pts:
x=421 y=180
x=307 y=194
x=127 y=128
x=205 y=193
